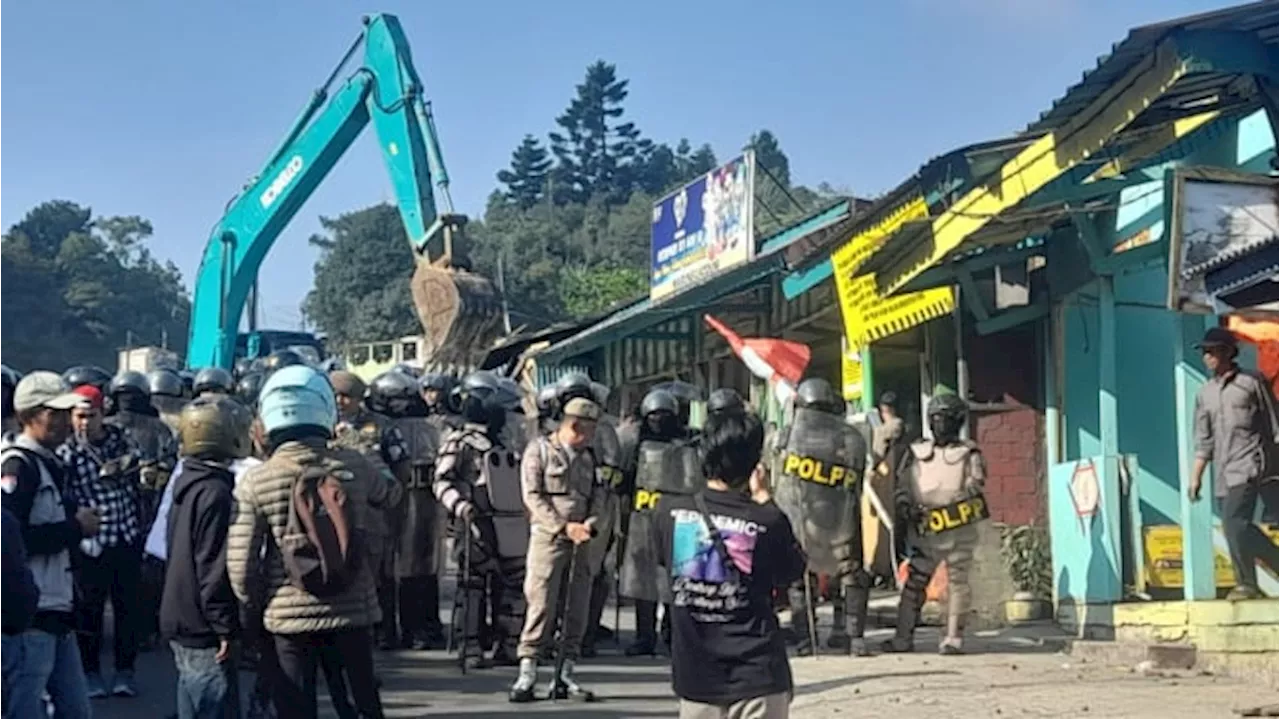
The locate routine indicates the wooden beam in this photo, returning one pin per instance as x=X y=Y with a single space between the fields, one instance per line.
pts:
x=1012 y=318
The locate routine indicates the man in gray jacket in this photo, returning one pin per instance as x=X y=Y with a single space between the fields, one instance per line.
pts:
x=1236 y=430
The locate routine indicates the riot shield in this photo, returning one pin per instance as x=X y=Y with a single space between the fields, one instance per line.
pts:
x=817 y=486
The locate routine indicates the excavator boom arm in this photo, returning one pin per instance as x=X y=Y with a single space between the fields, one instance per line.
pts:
x=386 y=90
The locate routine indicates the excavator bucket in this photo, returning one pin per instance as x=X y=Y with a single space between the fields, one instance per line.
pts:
x=460 y=313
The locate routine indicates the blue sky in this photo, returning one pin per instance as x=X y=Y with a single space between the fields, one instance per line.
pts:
x=163 y=109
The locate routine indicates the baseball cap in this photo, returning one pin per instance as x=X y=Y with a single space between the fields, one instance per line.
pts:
x=1217 y=337
x=582 y=409
x=90 y=395
x=44 y=389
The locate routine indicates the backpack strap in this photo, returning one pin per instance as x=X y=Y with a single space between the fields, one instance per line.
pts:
x=701 y=503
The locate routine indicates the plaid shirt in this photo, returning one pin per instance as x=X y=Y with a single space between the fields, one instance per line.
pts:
x=116 y=497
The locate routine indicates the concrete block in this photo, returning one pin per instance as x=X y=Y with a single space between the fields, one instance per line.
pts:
x=1224 y=613
x=1171 y=656
x=1239 y=639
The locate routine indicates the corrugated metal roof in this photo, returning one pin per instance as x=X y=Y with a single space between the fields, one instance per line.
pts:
x=1258 y=18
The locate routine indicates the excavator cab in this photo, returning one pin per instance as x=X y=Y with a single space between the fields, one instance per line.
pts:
x=459 y=310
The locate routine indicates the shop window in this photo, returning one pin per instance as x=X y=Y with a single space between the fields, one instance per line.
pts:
x=383 y=352
x=358 y=355
x=408 y=351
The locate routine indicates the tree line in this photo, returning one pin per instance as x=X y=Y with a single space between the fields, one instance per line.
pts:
x=75 y=289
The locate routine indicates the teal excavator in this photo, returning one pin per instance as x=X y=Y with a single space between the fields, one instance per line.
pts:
x=459 y=310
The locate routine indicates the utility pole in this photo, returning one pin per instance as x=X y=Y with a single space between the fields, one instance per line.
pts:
x=502 y=288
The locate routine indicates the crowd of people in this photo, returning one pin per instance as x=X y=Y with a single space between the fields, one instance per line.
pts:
x=293 y=520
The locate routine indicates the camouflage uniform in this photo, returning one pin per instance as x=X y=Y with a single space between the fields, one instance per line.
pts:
x=475 y=471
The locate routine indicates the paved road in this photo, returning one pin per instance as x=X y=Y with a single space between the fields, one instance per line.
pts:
x=1006 y=676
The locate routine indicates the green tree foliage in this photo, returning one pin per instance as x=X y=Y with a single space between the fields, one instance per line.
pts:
x=571 y=255
x=526 y=180
x=361 y=290
x=76 y=290
x=597 y=153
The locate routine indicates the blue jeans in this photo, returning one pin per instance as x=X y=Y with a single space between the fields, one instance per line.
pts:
x=36 y=661
x=206 y=689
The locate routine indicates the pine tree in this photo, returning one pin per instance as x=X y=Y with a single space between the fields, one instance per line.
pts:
x=597 y=152
x=770 y=157
x=526 y=181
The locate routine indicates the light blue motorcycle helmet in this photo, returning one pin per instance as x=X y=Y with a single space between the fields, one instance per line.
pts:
x=297 y=396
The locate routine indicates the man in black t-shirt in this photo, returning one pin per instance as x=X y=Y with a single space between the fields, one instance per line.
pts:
x=728 y=655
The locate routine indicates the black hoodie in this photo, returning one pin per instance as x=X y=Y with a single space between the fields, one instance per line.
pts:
x=198 y=606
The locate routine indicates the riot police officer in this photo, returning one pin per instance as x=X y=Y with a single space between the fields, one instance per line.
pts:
x=435 y=388
x=665 y=461
x=213 y=380
x=417 y=560
x=477 y=481
x=382 y=444
x=130 y=394
x=939 y=499
x=819 y=488
x=168 y=396
x=608 y=454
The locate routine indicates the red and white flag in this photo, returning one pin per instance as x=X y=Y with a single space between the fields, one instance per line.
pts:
x=779 y=362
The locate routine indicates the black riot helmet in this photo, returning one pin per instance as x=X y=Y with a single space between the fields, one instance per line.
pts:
x=166 y=383
x=725 y=401
x=546 y=402
x=248 y=387
x=817 y=394
x=394 y=391
x=436 y=380
x=213 y=380
x=439 y=385
x=485 y=399
x=280 y=359
x=685 y=394
x=90 y=375
x=660 y=412
x=130 y=383
x=947 y=414
x=188 y=382
x=573 y=386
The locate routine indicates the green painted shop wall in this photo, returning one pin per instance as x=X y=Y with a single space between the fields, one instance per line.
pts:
x=1147 y=335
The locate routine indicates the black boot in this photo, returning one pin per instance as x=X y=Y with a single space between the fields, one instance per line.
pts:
x=856 y=599
x=803 y=622
x=646 y=642
x=909 y=605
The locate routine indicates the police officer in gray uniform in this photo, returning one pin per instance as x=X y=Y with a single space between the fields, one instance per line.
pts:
x=477 y=481
x=417 y=560
x=819 y=488
x=939 y=498
x=665 y=461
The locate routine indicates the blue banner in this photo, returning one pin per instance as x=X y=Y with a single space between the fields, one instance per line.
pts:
x=703 y=229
